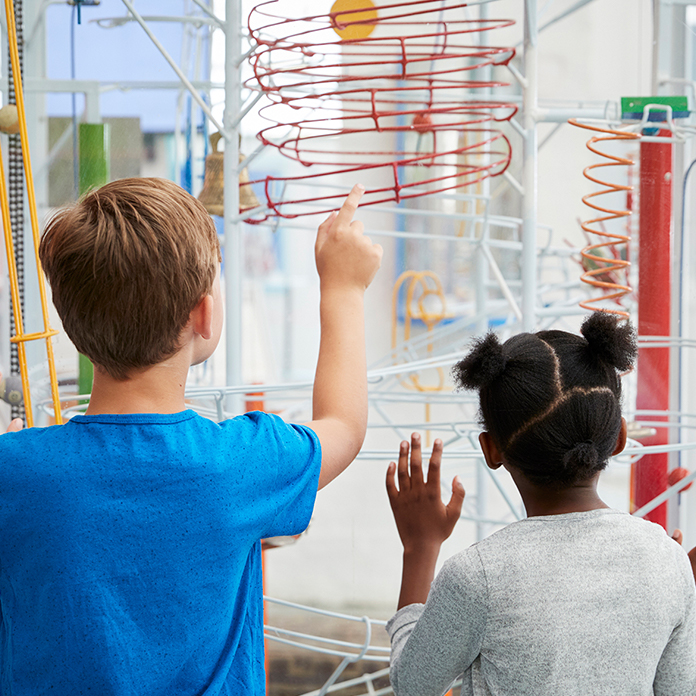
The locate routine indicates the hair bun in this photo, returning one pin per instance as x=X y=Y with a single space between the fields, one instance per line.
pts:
x=482 y=365
x=583 y=457
x=610 y=339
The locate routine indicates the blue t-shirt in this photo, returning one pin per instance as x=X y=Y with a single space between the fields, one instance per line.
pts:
x=130 y=555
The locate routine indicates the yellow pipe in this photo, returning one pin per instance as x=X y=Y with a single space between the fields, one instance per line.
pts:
x=31 y=198
x=33 y=336
x=429 y=319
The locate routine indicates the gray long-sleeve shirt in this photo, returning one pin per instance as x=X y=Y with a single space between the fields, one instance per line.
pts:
x=592 y=603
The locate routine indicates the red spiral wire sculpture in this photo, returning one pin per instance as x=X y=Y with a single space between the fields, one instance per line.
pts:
x=411 y=81
x=603 y=270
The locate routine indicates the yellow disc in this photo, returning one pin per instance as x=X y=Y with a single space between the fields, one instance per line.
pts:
x=344 y=24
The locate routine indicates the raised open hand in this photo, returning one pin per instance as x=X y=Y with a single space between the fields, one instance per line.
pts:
x=422 y=519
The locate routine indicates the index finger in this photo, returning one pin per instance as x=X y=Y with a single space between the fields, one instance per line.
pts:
x=350 y=205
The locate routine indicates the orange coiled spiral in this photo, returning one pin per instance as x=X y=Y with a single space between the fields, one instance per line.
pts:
x=603 y=269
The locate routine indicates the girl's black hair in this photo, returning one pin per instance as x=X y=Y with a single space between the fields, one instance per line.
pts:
x=552 y=400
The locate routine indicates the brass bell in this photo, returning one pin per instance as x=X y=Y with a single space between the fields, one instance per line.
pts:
x=247 y=197
x=212 y=196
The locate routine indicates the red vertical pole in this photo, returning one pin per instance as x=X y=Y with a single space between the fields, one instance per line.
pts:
x=654 y=299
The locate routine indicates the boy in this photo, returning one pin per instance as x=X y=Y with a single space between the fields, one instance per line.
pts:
x=129 y=537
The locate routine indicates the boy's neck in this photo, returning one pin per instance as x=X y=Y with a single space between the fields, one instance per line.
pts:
x=158 y=389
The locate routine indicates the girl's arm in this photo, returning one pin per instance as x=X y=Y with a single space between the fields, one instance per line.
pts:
x=422 y=519
x=676 y=672
x=431 y=644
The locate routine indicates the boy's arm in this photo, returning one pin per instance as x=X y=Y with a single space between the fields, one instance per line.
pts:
x=347 y=262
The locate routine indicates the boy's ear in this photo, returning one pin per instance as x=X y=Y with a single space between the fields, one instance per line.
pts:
x=202 y=317
x=621 y=440
x=491 y=453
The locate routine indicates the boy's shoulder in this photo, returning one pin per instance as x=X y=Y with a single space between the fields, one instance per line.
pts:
x=256 y=456
x=258 y=430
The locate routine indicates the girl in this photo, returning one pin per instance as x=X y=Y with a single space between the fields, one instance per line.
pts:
x=575 y=600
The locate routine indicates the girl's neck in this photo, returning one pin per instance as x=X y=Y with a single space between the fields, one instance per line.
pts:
x=540 y=501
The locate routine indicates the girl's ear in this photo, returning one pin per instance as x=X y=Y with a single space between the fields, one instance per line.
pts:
x=491 y=453
x=621 y=439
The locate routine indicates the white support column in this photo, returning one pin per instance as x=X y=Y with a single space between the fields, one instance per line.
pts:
x=234 y=240
x=92 y=105
x=480 y=261
x=529 y=169
x=481 y=283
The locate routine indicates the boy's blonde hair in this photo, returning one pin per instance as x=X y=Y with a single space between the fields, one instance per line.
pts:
x=127 y=264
